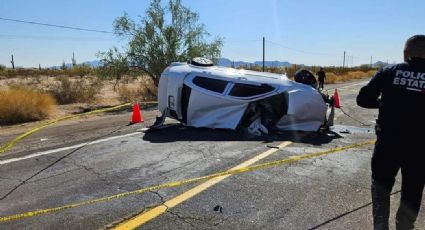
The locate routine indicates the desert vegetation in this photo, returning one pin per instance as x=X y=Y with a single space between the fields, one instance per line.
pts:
x=22 y=104
x=67 y=91
x=333 y=74
x=168 y=33
x=35 y=94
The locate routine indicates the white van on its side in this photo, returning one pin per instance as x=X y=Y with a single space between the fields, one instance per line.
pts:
x=200 y=94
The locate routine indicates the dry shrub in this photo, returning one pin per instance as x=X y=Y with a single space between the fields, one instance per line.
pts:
x=127 y=94
x=356 y=75
x=332 y=78
x=370 y=73
x=148 y=88
x=20 y=104
x=132 y=92
x=80 y=70
x=34 y=83
x=67 y=91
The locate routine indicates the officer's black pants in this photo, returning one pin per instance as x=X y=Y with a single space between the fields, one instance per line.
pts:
x=321 y=83
x=394 y=152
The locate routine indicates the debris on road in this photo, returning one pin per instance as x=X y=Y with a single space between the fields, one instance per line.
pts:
x=218 y=208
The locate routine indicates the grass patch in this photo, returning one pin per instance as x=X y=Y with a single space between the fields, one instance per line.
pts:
x=20 y=104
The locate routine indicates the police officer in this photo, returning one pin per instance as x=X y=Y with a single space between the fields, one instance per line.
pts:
x=321 y=75
x=399 y=93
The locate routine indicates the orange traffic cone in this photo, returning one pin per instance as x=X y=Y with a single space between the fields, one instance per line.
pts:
x=336 y=99
x=137 y=115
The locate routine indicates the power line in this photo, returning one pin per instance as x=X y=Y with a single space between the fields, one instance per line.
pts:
x=57 y=26
x=301 y=51
x=59 y=38
x=242 y=40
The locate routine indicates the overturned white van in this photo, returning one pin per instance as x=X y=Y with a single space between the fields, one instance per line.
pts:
x=202 y=95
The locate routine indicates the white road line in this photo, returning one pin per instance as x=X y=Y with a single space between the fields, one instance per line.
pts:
x=3 y=162
x=347 y=86
x=351 y=85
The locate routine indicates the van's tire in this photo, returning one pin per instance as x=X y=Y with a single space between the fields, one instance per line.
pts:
x=200 y=61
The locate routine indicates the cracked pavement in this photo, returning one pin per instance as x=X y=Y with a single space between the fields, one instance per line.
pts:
x=327 y=192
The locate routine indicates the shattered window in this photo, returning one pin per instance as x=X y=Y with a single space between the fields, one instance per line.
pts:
x=210 y=84
x=246 y=90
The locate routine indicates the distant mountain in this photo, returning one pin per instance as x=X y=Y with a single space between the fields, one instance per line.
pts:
x=273 y=63
x=93 y=64
x=379 y=64
x=229 y=63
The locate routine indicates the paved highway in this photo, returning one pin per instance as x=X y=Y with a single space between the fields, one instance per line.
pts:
x=99 y=173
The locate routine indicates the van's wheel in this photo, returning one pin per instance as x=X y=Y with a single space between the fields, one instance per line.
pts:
x=200 y=61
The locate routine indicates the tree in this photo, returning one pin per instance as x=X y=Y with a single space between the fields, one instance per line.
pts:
x=81 y=70
x=114 y=65
x=166 y=34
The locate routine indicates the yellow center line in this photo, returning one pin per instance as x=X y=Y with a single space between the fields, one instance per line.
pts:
x=236 y=170
x=157 y=211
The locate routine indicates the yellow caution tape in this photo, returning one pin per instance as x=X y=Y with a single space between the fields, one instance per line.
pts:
x=12 y=143
x=183 y=182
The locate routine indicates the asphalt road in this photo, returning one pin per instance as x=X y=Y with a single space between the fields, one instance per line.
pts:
x=86 y=159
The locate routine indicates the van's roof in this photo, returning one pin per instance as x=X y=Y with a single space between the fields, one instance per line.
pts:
x=225 y=72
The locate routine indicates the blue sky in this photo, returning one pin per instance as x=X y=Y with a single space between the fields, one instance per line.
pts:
x=299 y=31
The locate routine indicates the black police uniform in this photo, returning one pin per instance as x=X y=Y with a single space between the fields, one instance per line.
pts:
x=399 y=93
x=321 y=76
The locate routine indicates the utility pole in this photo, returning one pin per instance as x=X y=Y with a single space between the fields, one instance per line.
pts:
x=343 y=62
x=39 y=67
x=264 y=51
x=371 y=62
x=13 y=63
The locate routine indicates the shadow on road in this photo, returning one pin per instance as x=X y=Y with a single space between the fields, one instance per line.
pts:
x=345 y=214
x=177 y=132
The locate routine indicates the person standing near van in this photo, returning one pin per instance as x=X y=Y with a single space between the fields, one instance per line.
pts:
x=321 y=75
